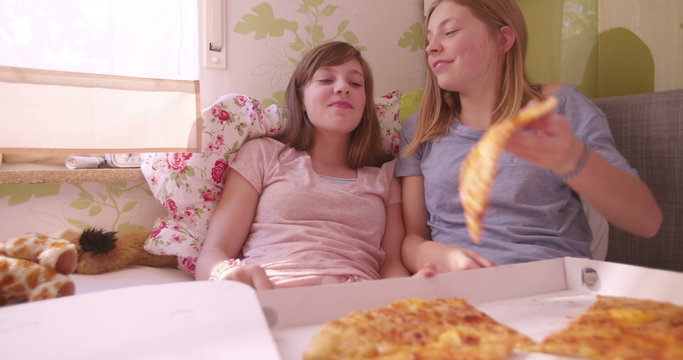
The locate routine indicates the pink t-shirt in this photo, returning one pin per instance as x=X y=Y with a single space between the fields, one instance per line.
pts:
x=308 y=230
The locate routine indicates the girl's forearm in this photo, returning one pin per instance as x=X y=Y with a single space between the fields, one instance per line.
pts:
x=411 y=252
x=624 y=200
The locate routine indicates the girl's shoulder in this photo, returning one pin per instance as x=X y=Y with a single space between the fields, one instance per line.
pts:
x=568 y=96
x=550 y=89
x=562 y=91
x=263 y=143
x=261 y=147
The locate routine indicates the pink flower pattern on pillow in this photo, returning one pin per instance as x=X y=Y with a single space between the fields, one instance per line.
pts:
x=189 y=185
x=387 y=108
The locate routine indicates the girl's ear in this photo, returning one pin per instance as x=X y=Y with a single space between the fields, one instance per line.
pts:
x=507 y=38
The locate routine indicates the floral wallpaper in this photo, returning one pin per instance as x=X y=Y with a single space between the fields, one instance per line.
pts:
x=262 y=23
x=266 y=40
x=46 y=208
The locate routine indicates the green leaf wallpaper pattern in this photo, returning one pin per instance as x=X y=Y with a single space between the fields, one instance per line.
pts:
x=263 y=23
x=128 y=227
x=22 y=193
x=412 y=38
x=92 y=203
x=278 y=98
x=110 y=199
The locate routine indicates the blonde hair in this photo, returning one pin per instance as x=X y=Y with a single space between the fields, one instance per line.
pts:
x=439 y=106
x=365 y=148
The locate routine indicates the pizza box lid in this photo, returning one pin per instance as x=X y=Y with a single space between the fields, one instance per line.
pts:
x=181 y=320
x=535 y=298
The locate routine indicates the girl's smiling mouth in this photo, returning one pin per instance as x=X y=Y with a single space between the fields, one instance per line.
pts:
x=341 y=104
x=438 y=64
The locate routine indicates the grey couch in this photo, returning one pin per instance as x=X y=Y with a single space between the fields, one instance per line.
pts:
x=648 y=131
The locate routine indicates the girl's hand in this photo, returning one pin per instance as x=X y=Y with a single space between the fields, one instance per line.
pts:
x=252 y=275
x=458 y=258
x=447 y=257
x=549 y=142
x=426 y=271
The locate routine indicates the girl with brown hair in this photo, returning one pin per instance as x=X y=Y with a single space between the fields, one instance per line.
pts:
x=319 y=204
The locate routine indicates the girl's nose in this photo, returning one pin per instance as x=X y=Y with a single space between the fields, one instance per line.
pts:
x=341 y=88
x=432 y=48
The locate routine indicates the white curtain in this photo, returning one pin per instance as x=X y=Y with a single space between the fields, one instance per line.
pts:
x=90 y=75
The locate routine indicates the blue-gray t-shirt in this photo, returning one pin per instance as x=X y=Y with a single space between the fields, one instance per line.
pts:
x=533 y=214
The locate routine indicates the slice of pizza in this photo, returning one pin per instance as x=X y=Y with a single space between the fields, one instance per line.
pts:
x=621 y=328
x=416 y=329
x=478 y=171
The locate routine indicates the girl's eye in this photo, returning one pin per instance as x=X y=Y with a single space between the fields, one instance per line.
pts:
x=325 y=81
x=449 y=33
x=356 y=84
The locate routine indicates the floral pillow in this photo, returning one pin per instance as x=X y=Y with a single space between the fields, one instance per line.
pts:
x=188 y=185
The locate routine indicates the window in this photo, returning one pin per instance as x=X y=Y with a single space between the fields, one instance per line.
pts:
x=89 y=75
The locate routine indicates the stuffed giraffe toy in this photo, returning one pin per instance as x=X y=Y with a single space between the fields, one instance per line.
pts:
x=36 y=267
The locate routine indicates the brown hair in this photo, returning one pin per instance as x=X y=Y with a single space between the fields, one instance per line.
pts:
x=438 y=106
x=365 y=148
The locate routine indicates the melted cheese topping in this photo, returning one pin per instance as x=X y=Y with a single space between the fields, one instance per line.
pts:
x=622 y=328
x=416 y=329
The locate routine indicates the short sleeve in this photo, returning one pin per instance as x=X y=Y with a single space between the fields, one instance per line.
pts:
x=409 y=165
x=254 y=159
x=394 y=196
x=590 y=125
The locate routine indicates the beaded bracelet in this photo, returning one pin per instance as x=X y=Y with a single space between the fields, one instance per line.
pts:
x=580 y=165
x=221 y=270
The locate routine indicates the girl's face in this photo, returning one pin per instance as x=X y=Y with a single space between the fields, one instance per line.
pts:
x=460 y=49
x=334 y=98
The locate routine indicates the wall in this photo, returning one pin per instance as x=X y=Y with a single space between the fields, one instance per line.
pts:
x=571 y=41
x=606 y=47
x=267 y=39
x=653 y=26
x=46 y=208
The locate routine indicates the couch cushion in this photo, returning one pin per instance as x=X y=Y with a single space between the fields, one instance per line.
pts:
x=648 y=131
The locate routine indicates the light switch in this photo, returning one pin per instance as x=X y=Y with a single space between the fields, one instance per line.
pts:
x=214 y=41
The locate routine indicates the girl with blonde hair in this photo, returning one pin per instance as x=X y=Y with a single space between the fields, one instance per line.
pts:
x=475 y=52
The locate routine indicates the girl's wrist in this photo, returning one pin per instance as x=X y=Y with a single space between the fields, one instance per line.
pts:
x=221 y=270
x=580 y=163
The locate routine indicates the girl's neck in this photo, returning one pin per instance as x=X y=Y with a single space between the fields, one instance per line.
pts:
x=329 y=157
x=477 y=109
x=478 y=100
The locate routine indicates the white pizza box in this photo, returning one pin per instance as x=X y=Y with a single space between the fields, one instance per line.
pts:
x=180 y=320
x=535 y=298
x=229 y=320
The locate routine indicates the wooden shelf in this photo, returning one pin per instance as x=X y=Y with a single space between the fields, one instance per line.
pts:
x=67 y=175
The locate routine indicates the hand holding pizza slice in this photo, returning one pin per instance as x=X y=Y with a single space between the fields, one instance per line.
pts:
x=478 y=171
